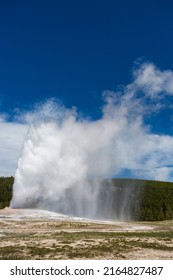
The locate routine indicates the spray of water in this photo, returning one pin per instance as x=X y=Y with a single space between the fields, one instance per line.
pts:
x=66 y=157
x=63 y=160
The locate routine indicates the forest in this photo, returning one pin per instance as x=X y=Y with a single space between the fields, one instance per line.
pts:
x=143 y=200
x=6 y=185
x=148 y=200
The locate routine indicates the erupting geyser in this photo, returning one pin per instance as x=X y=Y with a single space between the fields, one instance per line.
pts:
x=66 y=157
x=62 y=159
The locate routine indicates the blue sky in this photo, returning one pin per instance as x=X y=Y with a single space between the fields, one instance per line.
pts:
x=75 y=50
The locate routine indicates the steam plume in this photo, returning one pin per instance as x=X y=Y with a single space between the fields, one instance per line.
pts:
x=66 y=156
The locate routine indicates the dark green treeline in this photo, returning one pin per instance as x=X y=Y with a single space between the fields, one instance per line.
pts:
x=144 y=200
x=6 y=184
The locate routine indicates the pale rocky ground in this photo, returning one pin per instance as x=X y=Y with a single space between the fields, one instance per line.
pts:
x=38 y=234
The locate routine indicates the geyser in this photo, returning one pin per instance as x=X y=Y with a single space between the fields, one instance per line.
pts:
x=66 y=157
x=62 y=163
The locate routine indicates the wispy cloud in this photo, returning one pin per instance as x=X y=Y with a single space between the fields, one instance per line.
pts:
x=152 y=81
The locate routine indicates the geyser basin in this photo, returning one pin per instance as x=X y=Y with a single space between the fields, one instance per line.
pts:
x=35 y=214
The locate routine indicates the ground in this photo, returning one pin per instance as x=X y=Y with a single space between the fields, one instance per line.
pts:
x=34 y=234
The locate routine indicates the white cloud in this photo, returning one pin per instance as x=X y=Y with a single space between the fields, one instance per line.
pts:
x=11 y=143
x=152 y=81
